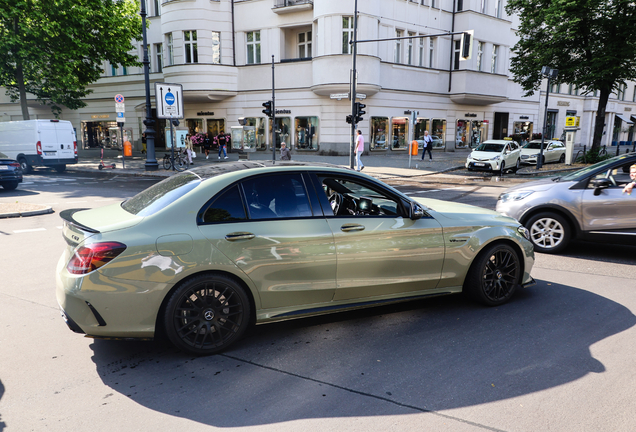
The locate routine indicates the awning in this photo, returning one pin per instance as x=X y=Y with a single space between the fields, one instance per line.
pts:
x=625 y=119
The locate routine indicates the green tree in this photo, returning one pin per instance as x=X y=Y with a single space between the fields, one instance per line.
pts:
x=53 y=49
x=591 y=42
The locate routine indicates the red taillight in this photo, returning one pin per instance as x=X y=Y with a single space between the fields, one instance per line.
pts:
x=75 y=147
x=93 y=256
x=38 y=146
x=14 y=164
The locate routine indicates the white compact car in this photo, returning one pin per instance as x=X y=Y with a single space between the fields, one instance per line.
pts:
x=495 y=155
x=553 y=151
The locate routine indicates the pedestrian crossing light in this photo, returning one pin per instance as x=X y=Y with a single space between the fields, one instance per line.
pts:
x=466 y=47
x=268 y=108
x=359 y=111
x=349 y=119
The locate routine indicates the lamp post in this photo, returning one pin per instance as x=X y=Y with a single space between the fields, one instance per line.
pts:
x=550 y=74
x=151 y=160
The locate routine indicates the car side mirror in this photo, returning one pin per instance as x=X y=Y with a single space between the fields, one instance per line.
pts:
x=600 y=184
x=416 y=211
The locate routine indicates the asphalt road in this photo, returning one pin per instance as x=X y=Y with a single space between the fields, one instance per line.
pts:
x=559 y=357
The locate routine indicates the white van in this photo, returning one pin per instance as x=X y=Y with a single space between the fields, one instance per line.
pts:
x=49 y=143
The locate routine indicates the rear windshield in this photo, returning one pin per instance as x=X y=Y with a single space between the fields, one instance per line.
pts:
x=161 y=195
x=535 y=145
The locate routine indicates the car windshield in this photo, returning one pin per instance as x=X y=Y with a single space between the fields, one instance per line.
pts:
x=582 y=173
x=161 y=195
x=534 y=145
x=490 y=147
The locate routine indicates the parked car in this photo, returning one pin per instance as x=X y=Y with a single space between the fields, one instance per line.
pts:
x=495 y=155
x=553 y=151
x=10 y=172
x=206 y=252
x=587 y=204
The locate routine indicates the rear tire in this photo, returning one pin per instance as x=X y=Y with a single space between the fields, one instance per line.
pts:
x=494 y=275
x=562 y=159
x=10 y=185
x=60 y=168
x=26 y=168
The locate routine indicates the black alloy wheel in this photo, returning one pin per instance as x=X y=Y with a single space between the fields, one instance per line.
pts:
x=494 y=275
x=562 y=158
x=26 y=168
x=207 y=314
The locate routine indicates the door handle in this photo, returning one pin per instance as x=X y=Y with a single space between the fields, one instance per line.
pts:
x=239 y=236
x=352 y=227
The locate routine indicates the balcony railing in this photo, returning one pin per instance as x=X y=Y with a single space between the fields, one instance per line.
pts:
x=285 y=3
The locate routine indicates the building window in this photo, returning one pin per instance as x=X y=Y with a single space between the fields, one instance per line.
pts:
x=379 y=133
x=634 y=95
x=398 y=45
x=438 y=132
x=460 y=5
x=304 y=44
x=555 y=88
x=170 y=49
x=306 y=133
x=216 y=47
x=495 y=54
x=431 y=52
x=253 y=47
x=498 y=8
x=149 y=54
x=347 y=34
x=480 y=52
x=190 y=46
x=421 y=53
x=620 y=92
x=456 y=54
x=159 y=57
x=113 y=70
x=259 y=128
x=157 y=8
x=282 y=131
x=400 y=132
x=433 y=3
x=483 y=6
x=410 y=49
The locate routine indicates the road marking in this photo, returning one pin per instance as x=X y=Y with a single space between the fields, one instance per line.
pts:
x=102 y=200
x=75 y=202
x=29 y=230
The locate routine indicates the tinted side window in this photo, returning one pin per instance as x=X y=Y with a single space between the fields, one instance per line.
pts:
x=276 y=196
x=227 y=207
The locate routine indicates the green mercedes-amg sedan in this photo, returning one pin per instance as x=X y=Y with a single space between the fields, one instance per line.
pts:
x=206 y=253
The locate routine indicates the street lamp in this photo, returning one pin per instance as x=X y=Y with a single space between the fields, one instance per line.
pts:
x=550 y=74
x=151 y=160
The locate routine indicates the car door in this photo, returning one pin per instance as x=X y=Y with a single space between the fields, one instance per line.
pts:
x=270 y=228
x=611 y=209
x=509 y=155
x=380 y=250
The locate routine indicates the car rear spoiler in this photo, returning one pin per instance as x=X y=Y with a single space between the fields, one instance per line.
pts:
x=67 y=216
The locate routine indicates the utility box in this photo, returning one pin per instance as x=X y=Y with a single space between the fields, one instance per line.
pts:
x=244 y=138
x=570 y=137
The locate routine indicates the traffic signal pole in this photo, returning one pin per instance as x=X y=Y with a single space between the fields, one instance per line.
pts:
x=352 y=94
x=273 y=115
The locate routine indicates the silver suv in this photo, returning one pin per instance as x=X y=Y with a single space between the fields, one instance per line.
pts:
x=587 y=204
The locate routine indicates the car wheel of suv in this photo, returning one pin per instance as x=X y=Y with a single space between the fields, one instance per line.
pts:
x=10 y=185
x=494 y=275
x=206 y=314
x=549 y=232
x=26 y=168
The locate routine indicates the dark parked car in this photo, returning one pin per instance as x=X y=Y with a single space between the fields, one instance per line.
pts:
x=10 y=172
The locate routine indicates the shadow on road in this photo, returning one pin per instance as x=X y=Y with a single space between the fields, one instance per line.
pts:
x=2 y=424
x=422 y=356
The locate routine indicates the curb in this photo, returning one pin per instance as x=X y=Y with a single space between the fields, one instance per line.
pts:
x=7 y=215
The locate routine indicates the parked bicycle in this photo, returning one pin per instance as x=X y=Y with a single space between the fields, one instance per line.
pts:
x=180 y=161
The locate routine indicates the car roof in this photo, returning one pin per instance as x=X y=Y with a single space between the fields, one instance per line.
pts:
x=210 y=171
x=493 y=141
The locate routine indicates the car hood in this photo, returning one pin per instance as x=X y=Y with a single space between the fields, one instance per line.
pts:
x=468 y=214
x=539 y=185
x=483 y=155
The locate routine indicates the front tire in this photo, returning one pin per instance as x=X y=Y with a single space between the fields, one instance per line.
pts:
x=517 y=165
x=494 y=275
x=167 y=163
x=503 y=168
x=549 y=232
x=207 y=314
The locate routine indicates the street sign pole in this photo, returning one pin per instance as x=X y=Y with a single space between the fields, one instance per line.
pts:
x=171 y=145
x=120 y=109
x=273 y=115
x=352 y=147
x=123 y=150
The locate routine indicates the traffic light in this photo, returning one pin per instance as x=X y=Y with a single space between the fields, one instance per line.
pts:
x=268 y=108
x=359 y=111
x=349 y=119
x=466 y=47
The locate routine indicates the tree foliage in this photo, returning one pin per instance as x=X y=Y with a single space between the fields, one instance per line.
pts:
x=53 y=49
x=591 y=42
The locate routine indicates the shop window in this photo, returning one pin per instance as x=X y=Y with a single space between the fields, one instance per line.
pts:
x=438 y=132
x=97 y=134
x=478 y=133
x=306 y=133
x=282 y=130
x=194 y=126
x=421 y=125
x=259 y=129
x=216 y=127
x=461 y=133
x=379 y=132
x=216 y=47
x=399 y=133
x=253 y=47
x=522 y=132
x=190 y=46
x=347 y=34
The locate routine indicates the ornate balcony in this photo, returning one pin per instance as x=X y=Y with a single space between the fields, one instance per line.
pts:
x=289 y=6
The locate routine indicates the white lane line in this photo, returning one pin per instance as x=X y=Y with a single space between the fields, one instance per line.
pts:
x=75 y=202
x=50 y=204
x=59 y=227
x=29 y=230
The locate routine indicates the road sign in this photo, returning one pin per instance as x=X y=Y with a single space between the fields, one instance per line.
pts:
x=121 y=117
x=120 y=107
x=119 y=98
x=341 y=96
x=169 y=100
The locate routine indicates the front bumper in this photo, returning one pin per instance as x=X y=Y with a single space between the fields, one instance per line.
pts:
x=482 y=165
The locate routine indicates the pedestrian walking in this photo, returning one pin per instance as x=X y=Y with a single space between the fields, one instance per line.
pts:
x=359 y=150
x=222 y=139
x=427 y=146
x=285 y=153
x=207 y=145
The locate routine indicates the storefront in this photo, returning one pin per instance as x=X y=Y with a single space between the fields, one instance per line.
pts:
x=379 y=131
x=399 y=133
x=283 y=128
x=97 y=134
x=306 y=131
x=470 y=133
x=522 y=131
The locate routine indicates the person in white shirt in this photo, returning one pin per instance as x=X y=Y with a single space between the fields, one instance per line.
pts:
x=428 y=145
x=359 y=150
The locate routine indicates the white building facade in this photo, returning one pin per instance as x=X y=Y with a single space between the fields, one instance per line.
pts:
x=221 y=51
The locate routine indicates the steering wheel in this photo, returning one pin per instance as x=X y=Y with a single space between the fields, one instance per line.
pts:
x=336 y=201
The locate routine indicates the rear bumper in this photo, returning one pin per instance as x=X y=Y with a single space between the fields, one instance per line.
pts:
x=9 y=177
x=38 y=160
